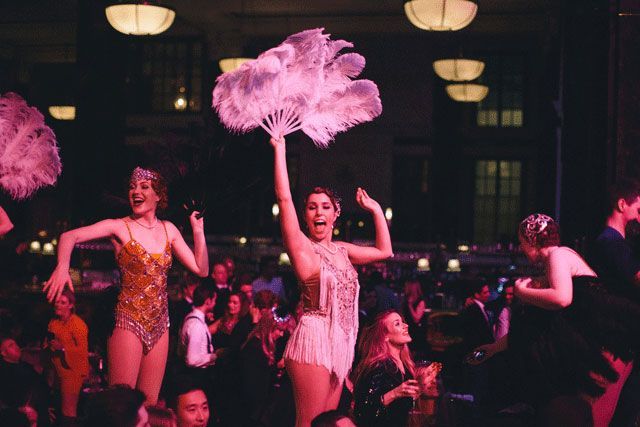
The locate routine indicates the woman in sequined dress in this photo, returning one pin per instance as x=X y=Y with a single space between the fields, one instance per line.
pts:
x=319 y=353
x=138 y=346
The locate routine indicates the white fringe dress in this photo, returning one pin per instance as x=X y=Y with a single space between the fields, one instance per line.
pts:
x=327 y=331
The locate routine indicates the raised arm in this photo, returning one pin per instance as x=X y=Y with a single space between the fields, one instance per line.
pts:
x=196 y=261
x=60 y=276
x=382 y=250
x=559 y=294
x=298 y=246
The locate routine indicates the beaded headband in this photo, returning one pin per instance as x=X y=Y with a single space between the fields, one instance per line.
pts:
x=140 y=174
x=533 y=225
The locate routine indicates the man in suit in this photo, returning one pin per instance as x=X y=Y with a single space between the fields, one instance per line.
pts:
x=476 y=323
x=477 y=330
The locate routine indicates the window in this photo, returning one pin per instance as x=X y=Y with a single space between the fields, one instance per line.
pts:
x=164 y=76
x=497 y=199
x=411 y=203
x=503 y=106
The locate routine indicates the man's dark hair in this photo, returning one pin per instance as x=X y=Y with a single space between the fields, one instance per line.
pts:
x=476 y=286
x=328 y=419
x=625 y=188
x=181 y=385
x=203 y=292
x=117 y=406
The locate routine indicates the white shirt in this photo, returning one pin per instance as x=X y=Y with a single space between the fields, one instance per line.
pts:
x=196 y=341
x=502 y=324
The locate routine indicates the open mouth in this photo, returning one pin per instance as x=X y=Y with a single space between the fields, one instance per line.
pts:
x=137 y=201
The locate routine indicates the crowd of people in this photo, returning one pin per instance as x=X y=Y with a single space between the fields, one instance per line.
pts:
x=237 y=348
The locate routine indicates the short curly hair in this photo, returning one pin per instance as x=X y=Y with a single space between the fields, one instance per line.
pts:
x=539 y=230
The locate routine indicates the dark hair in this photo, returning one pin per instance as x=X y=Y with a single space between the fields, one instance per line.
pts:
x=476 y=286
x=335 y=199
x=70 y=295
x=12 y=417
x=264 y=299
x=328 y=419
x=202 y=293
x=116 y=406
x=180 y=385
x=625 y=188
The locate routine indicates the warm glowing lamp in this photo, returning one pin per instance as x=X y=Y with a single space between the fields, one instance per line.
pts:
x=458 y=70
x=231 y=64
x=423 y=264
x=35 y=247
x=440 y=15
x=283 y=259
x=453 y=265
x=63 y=112
x=142 y=18
x=467 y=92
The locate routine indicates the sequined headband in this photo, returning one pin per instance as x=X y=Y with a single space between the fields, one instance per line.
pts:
x=140 y=174
x=533 y=225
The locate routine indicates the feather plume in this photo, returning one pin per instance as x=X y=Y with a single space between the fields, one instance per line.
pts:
x=304 y=83
x=28 y=149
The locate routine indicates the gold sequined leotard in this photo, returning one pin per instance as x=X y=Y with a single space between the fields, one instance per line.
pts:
x=142 y=302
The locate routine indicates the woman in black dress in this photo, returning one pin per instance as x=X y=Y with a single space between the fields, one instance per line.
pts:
x=569 y=336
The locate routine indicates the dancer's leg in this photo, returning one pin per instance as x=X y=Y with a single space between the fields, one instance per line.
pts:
x=311 y=387
x=334 y=393
x=152 y=370
x=124 y=353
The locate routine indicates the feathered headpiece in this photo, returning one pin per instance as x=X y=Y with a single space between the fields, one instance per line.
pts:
x=28 y=149
x=301 y=84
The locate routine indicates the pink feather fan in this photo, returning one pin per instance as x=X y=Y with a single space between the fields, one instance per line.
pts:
x=28 y=149
x=301 y=84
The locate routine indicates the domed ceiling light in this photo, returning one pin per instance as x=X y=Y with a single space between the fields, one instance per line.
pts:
x=458 y=70
x=142 y=18
x=440 y=15
x=467 y=92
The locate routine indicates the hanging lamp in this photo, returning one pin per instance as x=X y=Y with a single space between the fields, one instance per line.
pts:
x=142 y=18
x=440 y=15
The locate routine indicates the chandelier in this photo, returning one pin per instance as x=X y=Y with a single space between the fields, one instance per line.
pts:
x=142 y=18
x=467 y=92
x=458 y=70
x=440 y=15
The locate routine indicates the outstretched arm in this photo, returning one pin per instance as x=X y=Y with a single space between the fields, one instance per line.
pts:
x=60 y=276
x=382 y=250
x=197 y=261
x=297 y=244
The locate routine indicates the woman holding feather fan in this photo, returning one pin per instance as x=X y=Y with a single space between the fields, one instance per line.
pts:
x=320 y=352
x=138 y=346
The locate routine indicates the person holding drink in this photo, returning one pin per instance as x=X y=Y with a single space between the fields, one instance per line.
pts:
x=387 y=382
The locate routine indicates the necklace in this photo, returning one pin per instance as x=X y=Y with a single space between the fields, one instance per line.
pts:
x=335 y=250
x=148 y=227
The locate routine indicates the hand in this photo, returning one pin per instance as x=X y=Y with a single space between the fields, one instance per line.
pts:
x=409 y=388
x=468 y=302
x=488 y=349
x=197 y=222
x=277 y=142
x=521 y=284
x=55 y=345
x=366 y=202
x=55 y=285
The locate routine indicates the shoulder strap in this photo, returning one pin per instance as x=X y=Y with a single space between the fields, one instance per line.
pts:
x=128 y=229
x=166 y=234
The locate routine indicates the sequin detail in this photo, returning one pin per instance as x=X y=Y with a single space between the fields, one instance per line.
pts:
x=346 y=292
x=142 y=303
